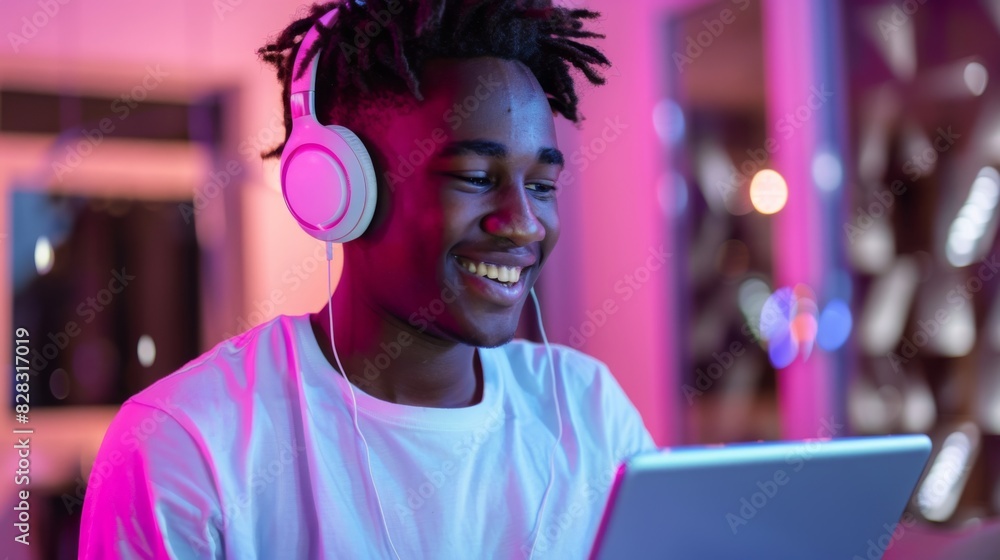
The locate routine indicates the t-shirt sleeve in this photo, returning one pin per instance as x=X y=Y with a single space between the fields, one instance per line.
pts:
x=628 y=430
x=151 y=493
x=608 y=410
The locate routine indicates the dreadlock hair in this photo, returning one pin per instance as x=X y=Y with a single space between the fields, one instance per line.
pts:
x=403 y=34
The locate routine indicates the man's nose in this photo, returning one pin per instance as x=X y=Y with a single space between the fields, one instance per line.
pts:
x=513 y=216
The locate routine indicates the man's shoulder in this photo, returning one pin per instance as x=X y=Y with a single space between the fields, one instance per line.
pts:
x=576 y=369
x=245 y=363
x=595 y=401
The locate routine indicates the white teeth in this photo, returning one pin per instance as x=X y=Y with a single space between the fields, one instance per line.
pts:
x=503 y=274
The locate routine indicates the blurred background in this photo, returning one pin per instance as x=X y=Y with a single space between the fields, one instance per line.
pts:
x=779 y=222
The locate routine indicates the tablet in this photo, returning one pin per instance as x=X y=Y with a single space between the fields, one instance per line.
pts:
x=839 y=499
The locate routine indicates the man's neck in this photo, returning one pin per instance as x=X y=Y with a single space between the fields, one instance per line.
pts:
x=393 y=361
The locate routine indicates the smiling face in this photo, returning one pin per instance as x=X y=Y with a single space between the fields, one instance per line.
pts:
x=470 y=195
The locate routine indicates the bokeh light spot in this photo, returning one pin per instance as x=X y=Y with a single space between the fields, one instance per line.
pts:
x=835 y=324
x=976 y=77
x=768 y=191
x=44 y=255
x=146 y=349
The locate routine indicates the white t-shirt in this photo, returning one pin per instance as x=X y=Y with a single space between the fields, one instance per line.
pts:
x=250 y=451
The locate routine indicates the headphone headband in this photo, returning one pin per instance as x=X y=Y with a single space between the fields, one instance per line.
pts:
x=303 y=91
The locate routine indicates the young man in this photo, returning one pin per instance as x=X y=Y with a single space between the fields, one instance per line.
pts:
x=453 y=441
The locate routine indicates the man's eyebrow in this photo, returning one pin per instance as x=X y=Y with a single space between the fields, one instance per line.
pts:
x=489 y=148
x=551 y=156
x=485 y=148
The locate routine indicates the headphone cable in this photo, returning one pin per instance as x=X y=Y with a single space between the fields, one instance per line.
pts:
x=354 y=400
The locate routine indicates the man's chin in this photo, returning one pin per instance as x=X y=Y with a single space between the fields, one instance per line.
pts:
x=476 y=330
x=493 y=342
x=485 y=339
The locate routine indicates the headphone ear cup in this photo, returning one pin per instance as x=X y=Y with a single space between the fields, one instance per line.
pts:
x=328 y=181
x=370 y=191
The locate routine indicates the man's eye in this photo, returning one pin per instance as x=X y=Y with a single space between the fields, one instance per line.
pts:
x=478 y=181
x=543 y=188
x=485 y=182
x=475 y=181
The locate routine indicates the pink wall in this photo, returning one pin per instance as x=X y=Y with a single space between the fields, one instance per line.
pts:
x=790 y=52
x=616 y=224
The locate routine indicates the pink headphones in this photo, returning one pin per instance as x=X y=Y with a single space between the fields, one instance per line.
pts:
x=327 y=177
